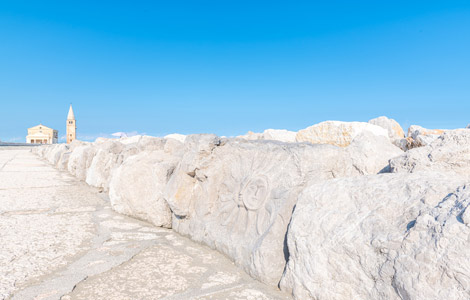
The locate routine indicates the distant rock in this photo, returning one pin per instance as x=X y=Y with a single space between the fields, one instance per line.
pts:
x=281 y=135
x=106 y=158
x=394 y=129
x=421 y=136
x=337 y=133
x=370 y=154
x=449 y=152
x=176 y=136
x=391 y=236
x=80 y=159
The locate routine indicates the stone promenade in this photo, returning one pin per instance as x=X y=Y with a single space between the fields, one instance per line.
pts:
x=59 y=239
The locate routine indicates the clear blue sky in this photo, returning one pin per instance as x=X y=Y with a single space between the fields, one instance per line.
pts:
x=226 y=67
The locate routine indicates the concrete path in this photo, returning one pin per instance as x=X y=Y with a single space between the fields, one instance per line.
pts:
x=59 y=239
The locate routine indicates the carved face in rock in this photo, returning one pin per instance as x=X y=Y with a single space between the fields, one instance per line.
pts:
x=247 y=194
x=247 y=207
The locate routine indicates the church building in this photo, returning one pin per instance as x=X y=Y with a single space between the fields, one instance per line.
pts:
x=41 y=134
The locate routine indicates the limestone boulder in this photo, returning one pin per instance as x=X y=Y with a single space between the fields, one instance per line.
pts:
x=337 y=133
x=388 y=236
x=136 y=188
x=450 y=153
x=419 y=136
x=80 y=159
x=280 y=135
x=237 y=196
x=55 y=152
x=176 y=136
x=150 y=143
x=370 y=154
x=393 y=128
x=103 y=163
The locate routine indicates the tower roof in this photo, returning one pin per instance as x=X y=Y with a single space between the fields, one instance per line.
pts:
x=70 y=116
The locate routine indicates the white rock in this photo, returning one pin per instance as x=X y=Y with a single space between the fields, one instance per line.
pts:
x=136 y=187
x=419 y=136
x=370 y=154
x=237 y=196
x=80 y=160
x=337 y=133
x=176 y=136
x=450 y=152
x=393 y=128
x=390 y=236
x=281 y=135
x=104 y=162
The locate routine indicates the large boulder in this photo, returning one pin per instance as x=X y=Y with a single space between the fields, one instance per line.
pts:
x=337 y=133
x=420 y=137
x=280 y=135
x=136 y=187
x=104 y=162
x=237 y=196
x=450 y=152
x=80 y=159
x=388 y=236
x=176 y=136
x=393 y=128
x=370 y=154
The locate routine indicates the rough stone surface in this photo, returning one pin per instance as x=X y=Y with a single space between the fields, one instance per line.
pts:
x=337 y=133
x=370 y=154
x=61 y=240
x=450 y=152
x=390 y=236
x=393 y=128
x=103 y=163
x=80 y=160
x=176 y=136
x=280 y=135
x=136 y=189
x=237 y=196
x=419 y=136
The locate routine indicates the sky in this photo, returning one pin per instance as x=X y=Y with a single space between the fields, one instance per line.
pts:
x=227 y=67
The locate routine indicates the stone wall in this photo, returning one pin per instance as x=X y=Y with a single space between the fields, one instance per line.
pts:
x=318 y=220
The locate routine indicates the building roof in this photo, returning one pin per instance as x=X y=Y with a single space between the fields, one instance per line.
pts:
x=70 y=116
x=42 y=127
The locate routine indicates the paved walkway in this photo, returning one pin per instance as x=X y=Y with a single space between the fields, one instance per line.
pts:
x=59 y=239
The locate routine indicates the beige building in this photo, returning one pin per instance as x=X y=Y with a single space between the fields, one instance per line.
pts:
x=41 y=134
x=71 y=126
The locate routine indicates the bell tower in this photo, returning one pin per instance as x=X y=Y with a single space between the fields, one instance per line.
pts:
x=71 y=126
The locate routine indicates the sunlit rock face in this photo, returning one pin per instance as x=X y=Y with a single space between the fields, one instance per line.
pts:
x=448 y=153
x=391 y=236
x=80 y=160
x=393 y=128
x=106 y=158
x=337 y=133
x=280 y=135
x=237 y=196
x=356 y=232
x=136 y=188
x=419 y=136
